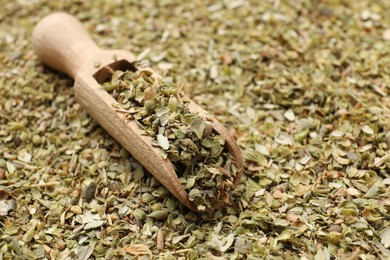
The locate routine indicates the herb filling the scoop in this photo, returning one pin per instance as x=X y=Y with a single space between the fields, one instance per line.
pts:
x=204 y=167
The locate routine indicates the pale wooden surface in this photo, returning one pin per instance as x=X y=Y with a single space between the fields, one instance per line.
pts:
x=62 y=43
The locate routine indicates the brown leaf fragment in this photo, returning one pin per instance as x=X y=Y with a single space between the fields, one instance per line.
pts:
x=160 y=240
x=89 y=192
x=226 y=58
x=138 y=250
x=277 y=194
x=291 y=217
x=341 y=192
x=3 y=195
x=2 y=174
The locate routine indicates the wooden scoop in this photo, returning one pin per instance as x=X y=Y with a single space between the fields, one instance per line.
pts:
x=63 y=43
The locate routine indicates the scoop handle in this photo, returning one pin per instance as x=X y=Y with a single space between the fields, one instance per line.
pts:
x=62 y=42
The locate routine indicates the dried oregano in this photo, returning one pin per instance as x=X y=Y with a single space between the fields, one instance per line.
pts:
x=304 y=87
x=204 y=167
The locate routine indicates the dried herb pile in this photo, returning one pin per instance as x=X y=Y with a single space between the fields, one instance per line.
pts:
x=187 y=139
x=303 y=85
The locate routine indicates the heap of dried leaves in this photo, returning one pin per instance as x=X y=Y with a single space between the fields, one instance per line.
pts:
x=303 y=86
x=159 y=107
